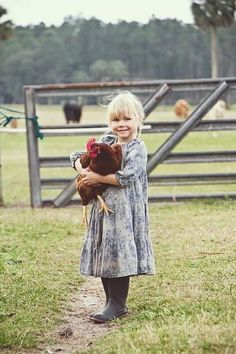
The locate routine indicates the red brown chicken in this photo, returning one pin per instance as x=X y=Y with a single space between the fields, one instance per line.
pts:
x=103 y=159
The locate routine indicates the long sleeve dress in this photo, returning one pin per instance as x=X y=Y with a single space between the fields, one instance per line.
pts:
x=119 y=244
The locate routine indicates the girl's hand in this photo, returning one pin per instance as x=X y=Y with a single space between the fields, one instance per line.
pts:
x=91 y=178
x=84 y=171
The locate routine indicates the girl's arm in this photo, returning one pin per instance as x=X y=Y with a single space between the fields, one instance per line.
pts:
x=75 y=160
x=92 y=178
x=135 y=164
x=78 y=166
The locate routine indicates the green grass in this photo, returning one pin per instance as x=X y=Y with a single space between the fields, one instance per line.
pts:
x=187 y=307
x=38 y=271
x=13 y=151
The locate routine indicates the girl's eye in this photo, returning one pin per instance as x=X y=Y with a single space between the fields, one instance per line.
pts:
x=127 y=118
x=115 y=119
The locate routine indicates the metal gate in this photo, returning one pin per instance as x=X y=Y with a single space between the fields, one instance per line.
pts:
x=159 y=89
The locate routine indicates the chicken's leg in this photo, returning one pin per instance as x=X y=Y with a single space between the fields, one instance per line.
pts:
x=84 y=221
x=103 y=206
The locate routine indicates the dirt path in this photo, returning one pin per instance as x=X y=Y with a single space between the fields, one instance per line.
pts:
x=78 y=333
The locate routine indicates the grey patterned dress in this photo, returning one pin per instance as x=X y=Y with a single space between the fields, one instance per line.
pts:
x=119 y=244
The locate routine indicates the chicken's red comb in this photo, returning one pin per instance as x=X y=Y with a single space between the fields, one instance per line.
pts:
x=90 y=143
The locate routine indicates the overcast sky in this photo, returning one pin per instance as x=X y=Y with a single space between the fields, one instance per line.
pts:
x=25 y=12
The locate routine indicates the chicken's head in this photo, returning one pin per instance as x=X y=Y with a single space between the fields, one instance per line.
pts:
x=93 y=148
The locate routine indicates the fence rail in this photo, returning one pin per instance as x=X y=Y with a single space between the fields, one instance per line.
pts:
x=162 y=180
x=157 y=198
x=148 y=127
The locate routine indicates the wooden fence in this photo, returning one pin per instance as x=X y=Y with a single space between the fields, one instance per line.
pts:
x=163 y=155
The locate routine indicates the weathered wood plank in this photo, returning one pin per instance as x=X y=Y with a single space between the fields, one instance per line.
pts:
x=173 y=158
x=159 y=180
x=32 y=148
x=162 y=198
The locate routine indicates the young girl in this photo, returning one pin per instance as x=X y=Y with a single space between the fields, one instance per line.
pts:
x=118 y=245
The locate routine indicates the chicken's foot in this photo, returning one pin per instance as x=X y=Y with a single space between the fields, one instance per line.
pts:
x=103 y=206
x=84 y=221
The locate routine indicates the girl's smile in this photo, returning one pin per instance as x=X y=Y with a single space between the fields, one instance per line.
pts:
x=125 y=128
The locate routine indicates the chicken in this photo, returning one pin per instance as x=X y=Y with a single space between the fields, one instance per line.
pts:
x=181 y=108
x=103 y=159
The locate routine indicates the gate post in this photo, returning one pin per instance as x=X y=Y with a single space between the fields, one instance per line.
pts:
x=1 y=194
x=32 y=148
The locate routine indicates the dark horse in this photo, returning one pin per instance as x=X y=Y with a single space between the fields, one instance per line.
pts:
x=72 y=112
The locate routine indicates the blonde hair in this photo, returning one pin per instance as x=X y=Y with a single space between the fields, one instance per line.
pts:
x=125 y=103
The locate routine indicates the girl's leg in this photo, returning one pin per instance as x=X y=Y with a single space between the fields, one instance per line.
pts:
x=118 y=289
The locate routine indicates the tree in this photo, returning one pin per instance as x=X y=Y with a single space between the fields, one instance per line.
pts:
x=105 y=70
x=210 y=14
x=89 y=50
x=5 y=33
x=5 y=27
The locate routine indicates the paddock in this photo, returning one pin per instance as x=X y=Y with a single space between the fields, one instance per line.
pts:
x=156 y=91
x=198 y=153
x=190 y=302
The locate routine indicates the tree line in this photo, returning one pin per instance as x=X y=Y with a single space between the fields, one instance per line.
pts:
x=82 y=50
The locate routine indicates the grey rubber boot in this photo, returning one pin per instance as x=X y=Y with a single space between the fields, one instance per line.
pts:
x=105 y=288
x=118 y=289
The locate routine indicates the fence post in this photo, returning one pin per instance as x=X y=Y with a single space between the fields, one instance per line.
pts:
x=32 y=147
x=1 y=195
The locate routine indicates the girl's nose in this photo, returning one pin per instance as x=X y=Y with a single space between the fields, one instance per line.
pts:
x=121 y=123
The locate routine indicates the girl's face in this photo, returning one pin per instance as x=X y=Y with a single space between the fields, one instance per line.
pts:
x=125 y=127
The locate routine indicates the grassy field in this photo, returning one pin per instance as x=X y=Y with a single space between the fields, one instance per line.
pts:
x=38 y=270
x=187 y=307
x=14 y=157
